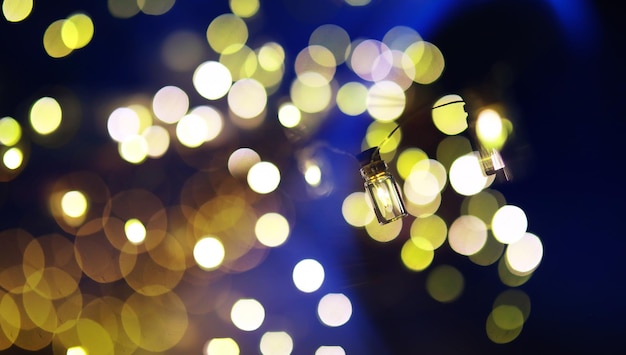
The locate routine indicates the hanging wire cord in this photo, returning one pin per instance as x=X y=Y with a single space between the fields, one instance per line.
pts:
x=375 y=152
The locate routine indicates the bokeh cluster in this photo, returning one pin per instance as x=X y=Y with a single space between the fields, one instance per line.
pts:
x=135 y=269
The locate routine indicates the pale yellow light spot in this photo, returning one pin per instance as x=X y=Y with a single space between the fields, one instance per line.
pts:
x=277 y=343
x=212 y=80
x=227 y=33
x=158 y=140
x=271 y=56
x=10 y=131
x=417 y=254
x=272 y=229
x=247 y=314
x=466 y=175
x=13 y=158
x=308 y=275
x=74 y=204
x=289 y=115
x=77 y=31
x=244 y=8
x=450 y=116
x=356 y=210
x=76 y=350
x=509 y=224
x=490 y=129
x=45 y=115
x=247 y=98
x=385 y=101
x=222 y=346
x=170 y=104
x=263 y=177
x=313 y=174
x=467 y=235
x=134 y=149
x=241 y=160
x=352 y=98
x=53 y=40
x=135 y=231
x=17 y=10
x=209 y=253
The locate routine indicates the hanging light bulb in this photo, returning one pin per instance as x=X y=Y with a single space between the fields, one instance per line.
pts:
x=381 y=187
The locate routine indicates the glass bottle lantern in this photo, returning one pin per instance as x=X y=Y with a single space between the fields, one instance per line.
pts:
x=381 y=187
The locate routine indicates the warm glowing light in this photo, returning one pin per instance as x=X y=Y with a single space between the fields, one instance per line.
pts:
x=74 y=204
x=490 y=129
x=45 y=115
x=241 y=160
x=209 y=253
x=158 y=140
x=247 y=98
x=227 y=33
x=13 y=158
x=271 y=56
x=427 y=62
x=53 y=40
x=313 y=174
x=134 y=149
x=192 y=130
x=311 y=92
x=213 y=119
x=334 y=309
x=263 y=177
x=384 y=232
x=170 y=104
x=450 y=116
x=524 y=256
x=466 y=175
x=272 y=229
x=135 y=231
x=467 y=235
x=244 y=8
x=17 y=10
x=212 y=80
x=77 y=31
x=385 y=101
x=289 y=115
x=308 y=275
x=356 y=210
x=417 y=254
x=76 y=350
x=123 y=123
x=276 y=343
x=352 y=98
x=10 y=131
x=247 y=314
x=429 y=232
x=407 y=160
x=509 y=224
x=221 y=346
